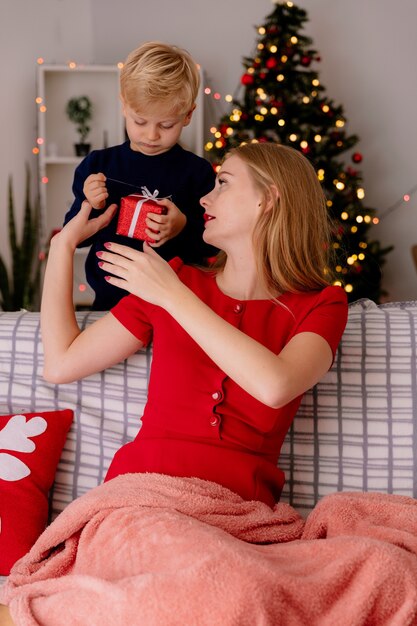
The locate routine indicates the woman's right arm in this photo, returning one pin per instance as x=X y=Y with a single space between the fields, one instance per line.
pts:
x=69 y=353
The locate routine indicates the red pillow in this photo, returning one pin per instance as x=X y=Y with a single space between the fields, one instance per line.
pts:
x=30 y=448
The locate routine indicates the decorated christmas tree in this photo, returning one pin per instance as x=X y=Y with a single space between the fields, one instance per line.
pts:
x=284 y=102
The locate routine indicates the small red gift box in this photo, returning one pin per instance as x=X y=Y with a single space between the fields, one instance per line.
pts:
x=132 y=215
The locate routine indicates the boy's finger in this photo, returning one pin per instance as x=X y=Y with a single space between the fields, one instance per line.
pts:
x=164 y=202
x=155 y=217
x=157 y=244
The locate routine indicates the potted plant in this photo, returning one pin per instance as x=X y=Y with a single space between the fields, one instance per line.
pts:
x=79 y=111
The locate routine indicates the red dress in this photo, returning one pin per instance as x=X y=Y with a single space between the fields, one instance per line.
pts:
x=197 y=421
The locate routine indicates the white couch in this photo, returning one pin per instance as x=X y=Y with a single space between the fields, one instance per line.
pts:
x=356 y=430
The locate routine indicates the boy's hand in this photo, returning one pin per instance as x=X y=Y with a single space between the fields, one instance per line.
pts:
x=95 y=190
x=166 y=226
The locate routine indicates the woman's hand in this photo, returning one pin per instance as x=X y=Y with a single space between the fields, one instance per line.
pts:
x=81 y=227
x=144 y=274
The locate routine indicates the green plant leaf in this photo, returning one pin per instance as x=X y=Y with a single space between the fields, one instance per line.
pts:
x=5 y=301
x=12 y=225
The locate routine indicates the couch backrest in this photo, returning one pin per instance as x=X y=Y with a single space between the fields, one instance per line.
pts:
x=356 y=430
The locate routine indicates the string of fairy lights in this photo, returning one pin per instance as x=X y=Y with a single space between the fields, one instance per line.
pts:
x=215 y=96
x=235 y=116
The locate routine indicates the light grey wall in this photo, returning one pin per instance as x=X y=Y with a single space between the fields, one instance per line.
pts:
x=57 y=30
x=368 y=50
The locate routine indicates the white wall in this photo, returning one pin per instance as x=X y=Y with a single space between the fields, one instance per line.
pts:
x=57 y=30
x=368 y=50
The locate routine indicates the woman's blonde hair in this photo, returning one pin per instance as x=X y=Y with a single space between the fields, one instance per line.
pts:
x=159 y=74
x=292 y=239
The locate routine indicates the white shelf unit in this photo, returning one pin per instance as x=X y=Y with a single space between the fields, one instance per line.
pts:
x=56 y=84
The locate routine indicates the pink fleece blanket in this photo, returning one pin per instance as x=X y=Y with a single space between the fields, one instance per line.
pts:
x=159 y=551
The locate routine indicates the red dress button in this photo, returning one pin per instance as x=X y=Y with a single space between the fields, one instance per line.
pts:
x=238 y=308
x=214 y=421
x=216 y=395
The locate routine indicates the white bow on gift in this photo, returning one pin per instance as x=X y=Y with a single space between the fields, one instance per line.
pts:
x=146 y=195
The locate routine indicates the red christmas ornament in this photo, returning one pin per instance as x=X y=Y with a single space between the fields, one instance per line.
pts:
x=271 y=63
x=263 y=140
x=305 y=60
x=357 y=157
x=244 y=117
x=262 y=75
x=351 y=172
x=247 y=79
x=318 y=59
x=306 y=150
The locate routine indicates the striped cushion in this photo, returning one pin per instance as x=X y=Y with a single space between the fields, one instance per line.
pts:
x=354 y=430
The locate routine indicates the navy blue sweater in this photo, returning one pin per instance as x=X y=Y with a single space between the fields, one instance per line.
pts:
x=178 y=173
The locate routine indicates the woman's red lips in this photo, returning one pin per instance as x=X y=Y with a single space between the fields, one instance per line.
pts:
x=208 y=217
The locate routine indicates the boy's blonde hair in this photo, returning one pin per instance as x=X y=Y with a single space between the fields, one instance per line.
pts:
x=292 y=240
x=158 y=74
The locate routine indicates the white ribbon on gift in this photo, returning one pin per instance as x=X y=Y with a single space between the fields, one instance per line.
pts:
x=146 y=195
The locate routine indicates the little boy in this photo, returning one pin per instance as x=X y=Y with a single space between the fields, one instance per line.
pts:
x=158 y=88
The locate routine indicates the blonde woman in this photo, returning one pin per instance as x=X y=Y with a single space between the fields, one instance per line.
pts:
x=235 y=346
